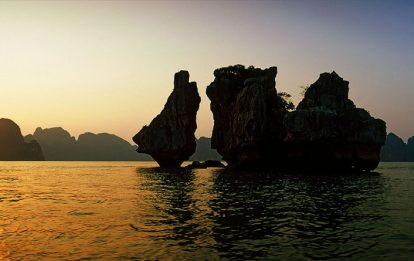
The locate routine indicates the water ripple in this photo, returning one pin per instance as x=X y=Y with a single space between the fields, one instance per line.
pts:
x=118 y=211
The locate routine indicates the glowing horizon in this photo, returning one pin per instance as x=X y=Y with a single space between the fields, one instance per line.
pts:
x=109 y=66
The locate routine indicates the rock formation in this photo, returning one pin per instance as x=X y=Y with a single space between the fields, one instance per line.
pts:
x=253 y=128
x=205 y=164
x=247 y=115
x=106 y=147
x=204 y=151
x=169 y=138
x=410 y=149
x=58 y=144
x=394 y=149
x=13 y=146
x=327 y=131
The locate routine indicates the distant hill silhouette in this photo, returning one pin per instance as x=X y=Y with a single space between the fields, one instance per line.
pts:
x=106 y=146
x=396 y=150
x=410 y=149
x=204 y=151
x=13 y=146
x=57 y=144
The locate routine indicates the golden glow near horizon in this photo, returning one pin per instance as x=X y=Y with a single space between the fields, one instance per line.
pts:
x=105 y=66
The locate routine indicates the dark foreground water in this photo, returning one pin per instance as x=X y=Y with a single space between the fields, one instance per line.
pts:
x=117 y=210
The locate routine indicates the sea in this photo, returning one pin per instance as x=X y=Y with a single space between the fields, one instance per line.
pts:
x=137 y=211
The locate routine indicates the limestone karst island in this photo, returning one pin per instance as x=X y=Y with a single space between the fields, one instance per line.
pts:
x=253 y=128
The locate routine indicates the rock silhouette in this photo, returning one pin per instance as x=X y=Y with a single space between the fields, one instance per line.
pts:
x=248 y=116
x=410 y=149
x=396 y=150
x=107 y=147
x=169 y=138
x=204 y=152
x=13 y=146
x=205 y=164
x=252 y=128
x=328 y=131
x=58 y=144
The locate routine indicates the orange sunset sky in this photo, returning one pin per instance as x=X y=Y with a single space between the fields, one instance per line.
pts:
x=108 y=66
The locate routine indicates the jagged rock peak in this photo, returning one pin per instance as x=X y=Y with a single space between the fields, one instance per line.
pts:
x=169 y=138
x=328 y=130
x=329 y=92
x=54 y=132
x=181 y=79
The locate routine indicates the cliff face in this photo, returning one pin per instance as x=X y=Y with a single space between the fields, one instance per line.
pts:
x=328 y=131
x=169 y=138
x=13 y=146
x=247 y=115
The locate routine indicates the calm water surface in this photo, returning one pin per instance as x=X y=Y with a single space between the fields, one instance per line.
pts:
x=133 y=210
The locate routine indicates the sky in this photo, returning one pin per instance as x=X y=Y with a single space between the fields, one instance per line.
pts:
x=108 y=66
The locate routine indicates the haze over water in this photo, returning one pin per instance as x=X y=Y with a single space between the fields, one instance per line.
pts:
x=124 y=210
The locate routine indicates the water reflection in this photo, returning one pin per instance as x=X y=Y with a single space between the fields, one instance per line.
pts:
x=172 y=203
x=118 y=211
x=264 y=214
x=251 y=215
x=245 y=207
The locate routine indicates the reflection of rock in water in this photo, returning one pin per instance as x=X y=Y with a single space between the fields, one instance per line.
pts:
x=173 y=189
x=315 y=216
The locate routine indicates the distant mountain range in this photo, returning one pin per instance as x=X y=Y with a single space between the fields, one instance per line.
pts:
x=204 y=151
x=12 y=145
x=396 y=150
x=57 y=144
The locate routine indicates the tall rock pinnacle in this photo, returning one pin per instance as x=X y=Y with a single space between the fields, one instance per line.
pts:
x=169 y=138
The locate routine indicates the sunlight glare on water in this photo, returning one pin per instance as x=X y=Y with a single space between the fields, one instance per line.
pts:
x=127 y=210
